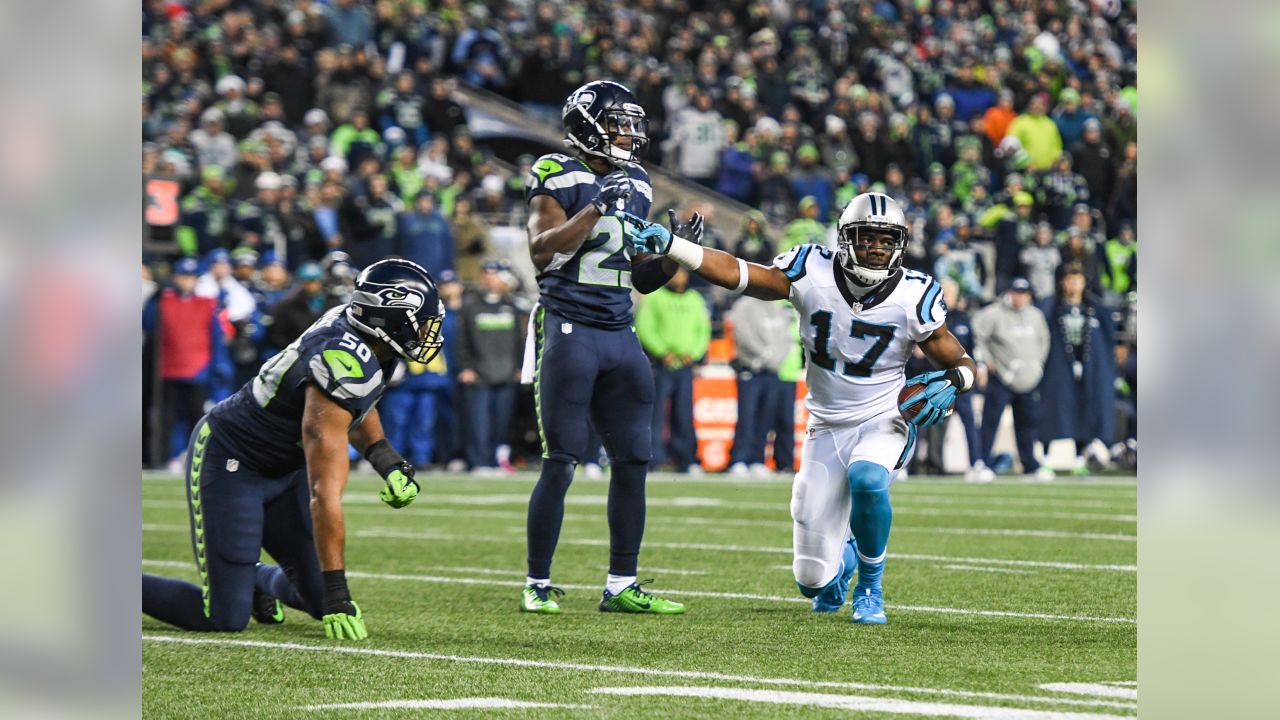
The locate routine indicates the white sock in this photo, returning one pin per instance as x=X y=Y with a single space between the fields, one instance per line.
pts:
x=528 y=581
x=617 y=583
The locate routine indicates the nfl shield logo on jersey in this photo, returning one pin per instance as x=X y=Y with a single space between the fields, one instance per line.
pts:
x=233 y=465
x=566 y=328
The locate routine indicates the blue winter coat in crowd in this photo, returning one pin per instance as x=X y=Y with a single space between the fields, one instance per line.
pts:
x=736 y=179
x=1079 y=409
x=425 y=239
x=816 y=184
x=972 y=100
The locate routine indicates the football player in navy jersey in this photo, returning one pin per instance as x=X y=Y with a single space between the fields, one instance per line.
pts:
x=268 y=465
x=583 y=357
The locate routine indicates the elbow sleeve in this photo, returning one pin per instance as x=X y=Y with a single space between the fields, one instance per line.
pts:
x=649 y=276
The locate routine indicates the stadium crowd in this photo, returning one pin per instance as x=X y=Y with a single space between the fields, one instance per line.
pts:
x=288 y=143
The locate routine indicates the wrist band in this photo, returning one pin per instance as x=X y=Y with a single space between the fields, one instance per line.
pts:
x=383 y=457
x=742 y=277
x=685 y=253
x=962 y=378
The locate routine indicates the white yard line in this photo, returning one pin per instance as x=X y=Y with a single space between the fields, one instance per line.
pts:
x=516 y=580
x=1106 y=690
x=359 y=503
x=858 y=703
x=772 y=550
x=619 y=669
x=479 y=703
x=979 y=568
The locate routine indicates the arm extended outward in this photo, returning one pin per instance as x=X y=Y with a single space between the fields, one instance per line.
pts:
x=719 y=267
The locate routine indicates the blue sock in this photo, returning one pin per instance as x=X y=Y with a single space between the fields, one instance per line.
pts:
x=870 y=519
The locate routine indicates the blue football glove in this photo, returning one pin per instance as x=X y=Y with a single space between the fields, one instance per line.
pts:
x=616 y=187
x=939 y=396
x=644 y=236
x=647 y=237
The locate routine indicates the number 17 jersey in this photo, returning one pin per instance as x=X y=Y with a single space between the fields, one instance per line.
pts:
x=856 y=350
x=594 y=286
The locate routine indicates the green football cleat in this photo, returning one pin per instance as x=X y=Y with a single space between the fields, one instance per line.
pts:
x=537 y=599
x=633 y=599
x=267 y=610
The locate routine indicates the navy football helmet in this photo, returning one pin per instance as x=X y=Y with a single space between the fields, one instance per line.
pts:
x=597 y=114
x=396 y=302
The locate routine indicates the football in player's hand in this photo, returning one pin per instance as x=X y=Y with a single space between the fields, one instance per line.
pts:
x=908 y=392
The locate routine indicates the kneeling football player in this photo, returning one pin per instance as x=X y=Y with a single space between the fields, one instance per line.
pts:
x=860 y=314
x=267 y=466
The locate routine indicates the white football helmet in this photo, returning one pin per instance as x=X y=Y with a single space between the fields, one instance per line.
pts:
x=871 y=212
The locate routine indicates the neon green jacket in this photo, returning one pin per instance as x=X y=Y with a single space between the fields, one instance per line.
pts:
x=669 y=322
x=793 y=367
x=800 y=232
x=1039 y=137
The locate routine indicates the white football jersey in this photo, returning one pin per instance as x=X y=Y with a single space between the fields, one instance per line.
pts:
x=855 y=351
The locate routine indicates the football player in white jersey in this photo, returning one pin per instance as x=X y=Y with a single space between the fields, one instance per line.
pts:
x=860 y=314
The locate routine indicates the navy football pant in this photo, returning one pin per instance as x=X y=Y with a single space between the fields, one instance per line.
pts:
x=586 y=377
x=235 y=514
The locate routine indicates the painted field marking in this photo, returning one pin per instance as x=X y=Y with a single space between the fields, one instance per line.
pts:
x=775 y=549
x=381 y=533
x=516 y=580
x=979 y=568
x=854 y=702
x=359 y=503
x=479 y=703
x=1106 y=690
x=622 y=670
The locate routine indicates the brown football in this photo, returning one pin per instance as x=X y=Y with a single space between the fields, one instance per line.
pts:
x=908 y=392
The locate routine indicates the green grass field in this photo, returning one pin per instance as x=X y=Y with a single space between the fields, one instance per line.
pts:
x=1007 y=600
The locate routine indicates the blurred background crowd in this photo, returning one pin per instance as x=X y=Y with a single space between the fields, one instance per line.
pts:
x=288 y=143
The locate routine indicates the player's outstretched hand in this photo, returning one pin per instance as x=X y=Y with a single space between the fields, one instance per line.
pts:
x=344 y=622
x=616 y=187
x=938 y=396
x=643 y=236
x=690 y=230
x=400 y=488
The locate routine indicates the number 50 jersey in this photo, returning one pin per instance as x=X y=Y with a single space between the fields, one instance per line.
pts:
x=262 y=422
x=594 y=286
x=856 y=351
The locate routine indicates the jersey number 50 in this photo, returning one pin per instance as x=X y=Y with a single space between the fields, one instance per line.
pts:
x=821 y=356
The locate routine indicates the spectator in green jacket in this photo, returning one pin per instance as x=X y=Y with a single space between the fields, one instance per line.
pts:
x=355 y=139
x=674 y=328
x=805 y=229
x=1120 y=266
x=1038 y=133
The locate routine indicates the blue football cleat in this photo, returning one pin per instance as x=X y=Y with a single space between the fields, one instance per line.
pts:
x=833 y=595
x=868 y=606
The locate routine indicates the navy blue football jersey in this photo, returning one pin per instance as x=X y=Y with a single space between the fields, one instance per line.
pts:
x=263 y=420
x=594 y=286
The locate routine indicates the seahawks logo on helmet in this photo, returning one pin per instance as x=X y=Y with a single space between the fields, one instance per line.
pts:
x=396 y=301
x=401 y=297
x=599 y=114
